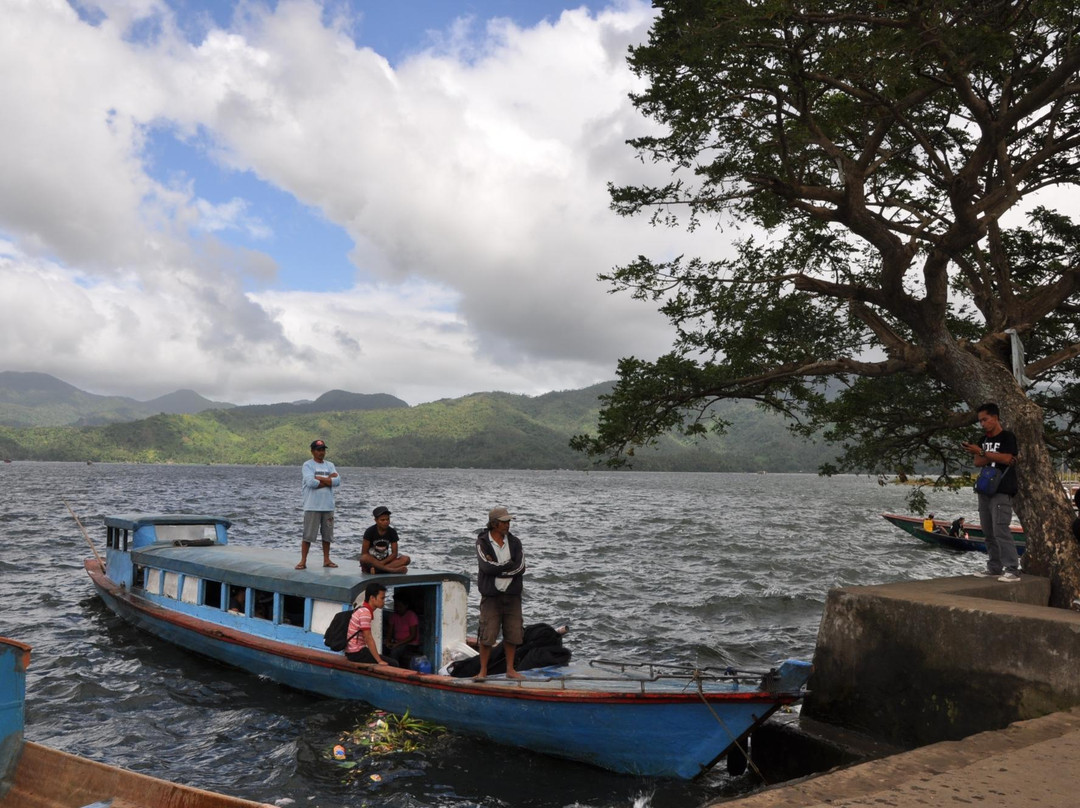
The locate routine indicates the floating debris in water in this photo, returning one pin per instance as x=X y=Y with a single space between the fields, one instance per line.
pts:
x=386 y=734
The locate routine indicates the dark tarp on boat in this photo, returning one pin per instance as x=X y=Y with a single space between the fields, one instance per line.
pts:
x=542 y=647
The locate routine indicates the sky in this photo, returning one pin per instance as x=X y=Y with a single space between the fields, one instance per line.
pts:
x=262 y=201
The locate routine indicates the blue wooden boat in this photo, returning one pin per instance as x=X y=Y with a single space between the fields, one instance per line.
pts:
x=178 y=577
x=972 y=539
x=39 y=777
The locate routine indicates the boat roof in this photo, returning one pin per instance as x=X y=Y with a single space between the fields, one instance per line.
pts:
x=275 y=570
x=133 y=521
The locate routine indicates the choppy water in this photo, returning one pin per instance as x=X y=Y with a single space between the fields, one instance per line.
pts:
x=706 y=568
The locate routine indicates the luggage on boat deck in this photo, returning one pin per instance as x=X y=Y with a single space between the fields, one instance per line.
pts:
x=336 y=636
x=542 y=647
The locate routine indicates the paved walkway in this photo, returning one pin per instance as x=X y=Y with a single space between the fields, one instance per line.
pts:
x=1030 y=764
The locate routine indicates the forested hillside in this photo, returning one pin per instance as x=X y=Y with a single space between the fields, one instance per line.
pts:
x=38 y=399
x=483 y=430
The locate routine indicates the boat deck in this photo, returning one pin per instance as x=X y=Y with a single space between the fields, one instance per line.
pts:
x=624 y=678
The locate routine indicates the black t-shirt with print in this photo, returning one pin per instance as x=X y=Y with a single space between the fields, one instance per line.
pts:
x=1004 y=442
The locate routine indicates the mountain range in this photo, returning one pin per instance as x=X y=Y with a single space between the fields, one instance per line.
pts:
x=43 y=418
x=38 y=399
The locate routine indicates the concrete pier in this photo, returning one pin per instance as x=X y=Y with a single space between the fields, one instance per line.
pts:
x=1031 y=764
x=919 y=662
x=963 y=691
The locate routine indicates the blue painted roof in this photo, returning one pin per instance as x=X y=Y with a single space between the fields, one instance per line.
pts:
x=274 y=570
x=133 y=521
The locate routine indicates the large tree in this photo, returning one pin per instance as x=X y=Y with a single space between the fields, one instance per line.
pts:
x=899 y=172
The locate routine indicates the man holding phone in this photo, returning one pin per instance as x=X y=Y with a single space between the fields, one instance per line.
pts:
x=997 y=447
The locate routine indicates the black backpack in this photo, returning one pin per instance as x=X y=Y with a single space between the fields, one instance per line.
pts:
x=336 y=636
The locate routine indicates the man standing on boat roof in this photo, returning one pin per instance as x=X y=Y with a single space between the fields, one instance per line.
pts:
x=998 y=448
x=502 y=568
x=319 y=479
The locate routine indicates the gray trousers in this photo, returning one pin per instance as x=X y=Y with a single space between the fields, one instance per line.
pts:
x=995 y=513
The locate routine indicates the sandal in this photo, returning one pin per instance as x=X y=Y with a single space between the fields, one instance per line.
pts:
x=301 y=566
x=329 y=564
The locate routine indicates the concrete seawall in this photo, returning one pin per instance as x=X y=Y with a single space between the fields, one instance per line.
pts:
x=979 y=680
x=915 y=663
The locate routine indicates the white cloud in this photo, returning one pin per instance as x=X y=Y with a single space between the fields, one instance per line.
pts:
x=231 y=215
x=471 y=178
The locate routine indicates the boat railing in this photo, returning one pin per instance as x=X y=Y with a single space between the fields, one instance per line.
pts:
x=631 y=675
x=657 y=671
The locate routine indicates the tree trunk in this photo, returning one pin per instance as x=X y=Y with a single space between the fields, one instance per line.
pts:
x=1042 y=505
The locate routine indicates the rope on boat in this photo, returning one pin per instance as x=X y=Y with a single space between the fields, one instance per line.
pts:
x=734 y=741
x=86 y=535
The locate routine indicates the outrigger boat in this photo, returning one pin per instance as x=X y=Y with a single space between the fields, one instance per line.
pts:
x=35 y=776
x=972 y=537
x=177 y=577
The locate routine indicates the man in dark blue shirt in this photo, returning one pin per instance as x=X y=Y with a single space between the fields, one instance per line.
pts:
x=997 y=448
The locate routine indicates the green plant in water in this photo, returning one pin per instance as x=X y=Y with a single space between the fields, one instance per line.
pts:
x=385 y=734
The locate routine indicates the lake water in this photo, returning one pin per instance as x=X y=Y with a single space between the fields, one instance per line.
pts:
x=712 y=569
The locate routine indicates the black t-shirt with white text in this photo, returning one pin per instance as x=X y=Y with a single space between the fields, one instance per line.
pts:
x=380 y=545
x=1004 y=442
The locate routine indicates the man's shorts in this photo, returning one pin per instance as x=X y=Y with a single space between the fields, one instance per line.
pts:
x=316 y=522
x=500 y=611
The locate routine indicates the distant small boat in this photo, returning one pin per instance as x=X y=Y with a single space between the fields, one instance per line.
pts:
x=35 y=775
x=972 y=538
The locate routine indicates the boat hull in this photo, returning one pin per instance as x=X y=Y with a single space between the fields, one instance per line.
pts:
x=975 y=540
x=664 y=734
x=34 y=776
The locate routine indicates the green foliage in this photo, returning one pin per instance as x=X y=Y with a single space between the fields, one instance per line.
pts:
x=485 y=430
x=386 y=734
x=391 y=733
x=878 y=145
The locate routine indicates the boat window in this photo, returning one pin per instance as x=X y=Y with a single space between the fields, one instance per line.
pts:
x=152 y=582
x=116 y=538
x=237 y=599
x=212 y=594
x=171 y=588
x=264 y=604
x=140 y=577
x=322 y=612
x=292 y=610
x=189 y=591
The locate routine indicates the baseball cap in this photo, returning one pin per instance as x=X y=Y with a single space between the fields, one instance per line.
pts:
x=382 y=510
x=317 y=444
x=499 y=515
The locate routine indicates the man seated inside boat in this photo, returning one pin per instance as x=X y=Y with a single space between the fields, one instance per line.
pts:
x=237 y=599
x=956 y=529
x=379 y=552
x=362 y=646
x=403 y=642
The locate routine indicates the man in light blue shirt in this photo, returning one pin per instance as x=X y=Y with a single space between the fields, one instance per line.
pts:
x=320 y=478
